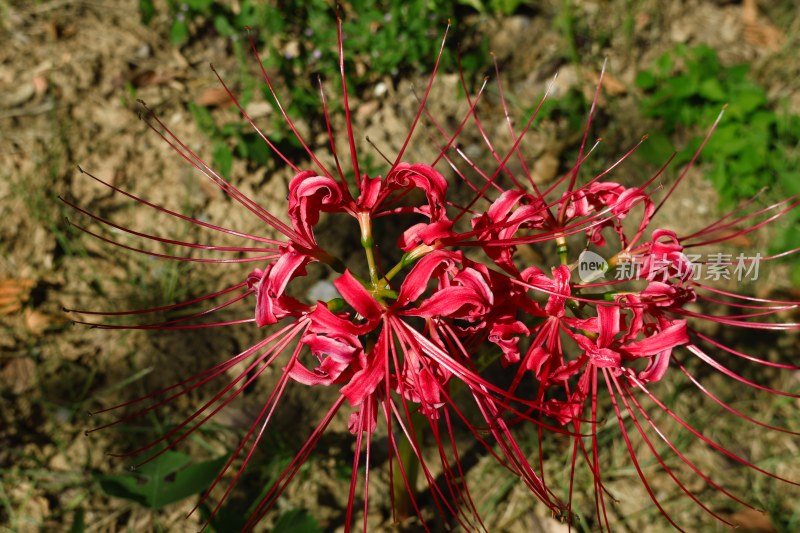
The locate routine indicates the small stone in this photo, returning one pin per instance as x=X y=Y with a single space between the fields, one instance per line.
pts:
x=545 y=168
x=19 y=375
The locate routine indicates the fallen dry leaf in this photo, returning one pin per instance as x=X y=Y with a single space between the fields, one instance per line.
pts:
x=149 y=78
x=213 y=97
x=19 y=375
x=14 y=293
x=752 y=521
x=642 y=20
x=39 y=85
x=368 y=108
x=757 y=32
x=37 y=322
x=612 y=86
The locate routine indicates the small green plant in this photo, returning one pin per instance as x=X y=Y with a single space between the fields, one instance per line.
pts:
x=493 y=7
x=298 y=42
x=189 y=17
x=755 y=146
x=169 y=478
x=173 y=477
x=570 y=108
x=232 y=140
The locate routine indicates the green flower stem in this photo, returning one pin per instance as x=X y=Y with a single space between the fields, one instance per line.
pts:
x=335 y=305
x=365 y=223
x=561 y=248
x=394 y=271
x=409 y=258
x=331 y=260
x=404 y=496
x=385 y=294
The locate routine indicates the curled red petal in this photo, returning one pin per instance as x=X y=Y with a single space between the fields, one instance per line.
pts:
x=605 y=358
x=657 y=368
x=309 y=195
x=290 y=265
x=358 y=297
x=507 y=336
x=426 y=178
x=425 y=233
x=354 y=422
x=674 y=335
x=608 y=316
x=325 y=321
x=448 y=302
x=365 y=381
x=341 y=349
x=432 y=265
x=270 y=284
x=325 y=374
x=370 y=189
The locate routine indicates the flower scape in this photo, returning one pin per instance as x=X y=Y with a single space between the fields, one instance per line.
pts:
x=402 y=341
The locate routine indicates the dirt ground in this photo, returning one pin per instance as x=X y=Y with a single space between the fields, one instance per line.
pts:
x=67 y=70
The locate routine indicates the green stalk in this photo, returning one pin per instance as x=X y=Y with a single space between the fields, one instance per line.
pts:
x=409 y=258
x=332 y=261
x=365 y=223
x=562 y=249
x=404 y=497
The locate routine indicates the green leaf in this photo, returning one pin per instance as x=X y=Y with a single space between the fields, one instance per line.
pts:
x=743 y=167
x=763 y=120
x=711 y=89
x=664 y=64
x=204 y=119
x=787 y=238
x=223 y=27
x=656 y=149
x=682 y=86
x=477 y=5
x=706 y=60
x=78 y=522
x=505 y=7
x=645 y=80
x=231 y=516
x=297 y=521
x=249 y=15
x=257 y=150
x=167 y=479
x=687 y=115
x=737 y=73
x=747 y=101
x=202 y=6
x=728 y=140
x=222 y=156
x=717 y=175
x=789 y=183
x=179 y=33
x=146 y=11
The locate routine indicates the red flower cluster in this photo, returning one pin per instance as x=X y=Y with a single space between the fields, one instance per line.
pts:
x=400 y=344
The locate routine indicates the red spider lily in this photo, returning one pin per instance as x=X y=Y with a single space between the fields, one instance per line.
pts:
x=400 y=344
x=629 y=337
x=392 y=354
